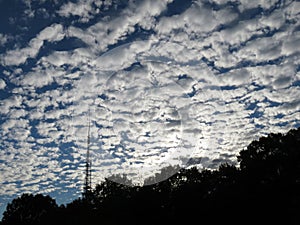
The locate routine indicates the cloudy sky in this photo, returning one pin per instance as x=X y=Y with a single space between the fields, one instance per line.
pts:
x=169 y=82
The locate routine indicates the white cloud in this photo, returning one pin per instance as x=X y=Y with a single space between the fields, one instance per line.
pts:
x=2 y=84
x=109 y=31
x=236 y=77
x=239 y=33
x=266 y=4
x=196 y=19
x=291 y=44
x=7 y=104
x=274 y=76
x=275 y=20
x=84 y=9
x=3 y=39
x=19 y=56
x=36 y=80
x=53 y=33
x=292 y=10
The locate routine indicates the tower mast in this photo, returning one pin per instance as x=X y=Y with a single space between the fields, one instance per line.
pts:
x=88 y=164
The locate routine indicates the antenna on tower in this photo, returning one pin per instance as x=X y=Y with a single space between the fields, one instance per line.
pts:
x=88 y=164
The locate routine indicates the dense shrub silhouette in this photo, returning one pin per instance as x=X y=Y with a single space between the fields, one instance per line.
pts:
x=264 y=189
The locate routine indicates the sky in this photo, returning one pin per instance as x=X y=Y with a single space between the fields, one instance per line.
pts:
x=169 y=82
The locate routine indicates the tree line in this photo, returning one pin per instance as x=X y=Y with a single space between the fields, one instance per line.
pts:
x=263 y=189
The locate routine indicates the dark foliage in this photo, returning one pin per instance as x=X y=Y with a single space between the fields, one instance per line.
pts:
x=265 y=189
x=30 y=209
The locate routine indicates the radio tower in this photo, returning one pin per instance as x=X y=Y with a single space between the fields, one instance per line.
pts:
x=88 y=165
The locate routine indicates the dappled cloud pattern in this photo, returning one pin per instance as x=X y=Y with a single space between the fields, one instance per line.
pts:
x=163 y=82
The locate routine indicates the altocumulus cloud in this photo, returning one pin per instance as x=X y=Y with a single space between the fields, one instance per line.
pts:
x=164 y=83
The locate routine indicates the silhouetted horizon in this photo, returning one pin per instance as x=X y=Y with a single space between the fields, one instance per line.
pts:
x=263 y=189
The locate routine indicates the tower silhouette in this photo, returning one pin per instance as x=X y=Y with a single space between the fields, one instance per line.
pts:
x=88 y=165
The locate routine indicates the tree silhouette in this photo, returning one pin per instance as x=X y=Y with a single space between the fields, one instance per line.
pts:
x=271 y=175
x=29 y=209
x=274 y=155
x=264 y=189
